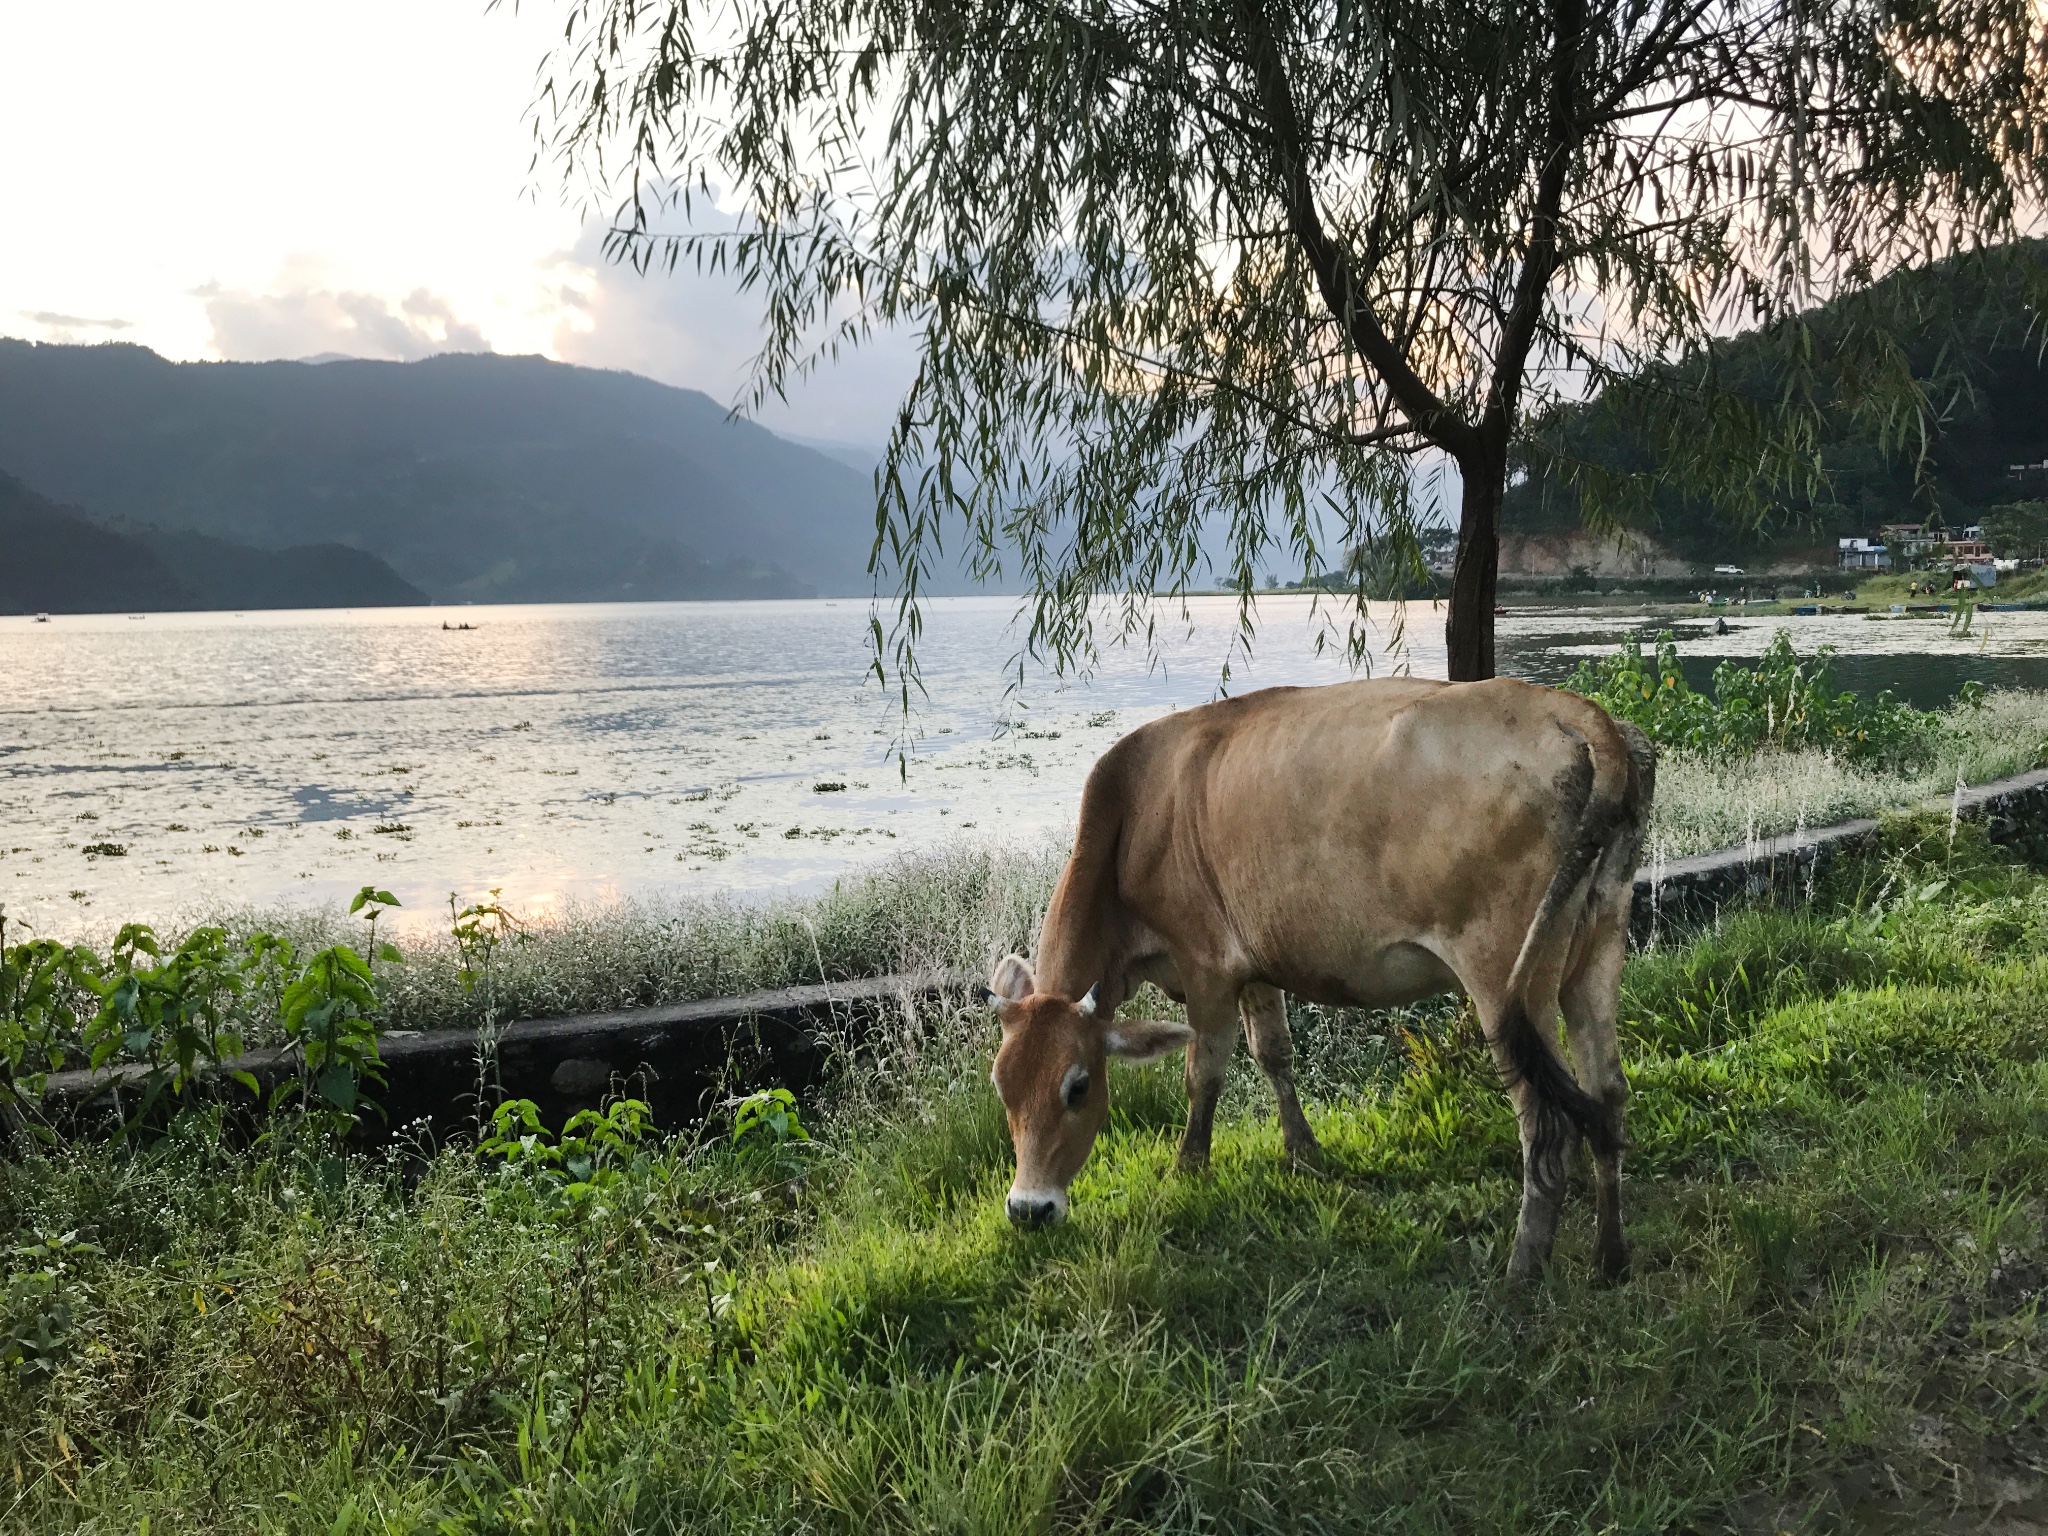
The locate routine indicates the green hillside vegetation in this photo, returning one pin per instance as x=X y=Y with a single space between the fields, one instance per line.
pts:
x=1971 y=338
x=58 y=560
x=474 y=477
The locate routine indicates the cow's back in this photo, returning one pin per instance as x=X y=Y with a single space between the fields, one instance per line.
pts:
x=1303 y=836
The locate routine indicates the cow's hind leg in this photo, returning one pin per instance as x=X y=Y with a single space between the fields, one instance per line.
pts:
x=1272 y=1046
x=1212 y=1011
x=1590 y=996
x=1549 y=1139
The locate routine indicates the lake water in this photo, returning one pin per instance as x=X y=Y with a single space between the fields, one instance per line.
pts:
x=584 y=752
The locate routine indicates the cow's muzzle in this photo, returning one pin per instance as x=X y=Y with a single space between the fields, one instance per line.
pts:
x=1036 y=1207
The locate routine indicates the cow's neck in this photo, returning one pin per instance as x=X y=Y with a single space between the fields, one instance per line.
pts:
x=1077 y=945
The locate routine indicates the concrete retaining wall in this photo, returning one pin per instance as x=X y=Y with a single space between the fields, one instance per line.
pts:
x=679 y=1058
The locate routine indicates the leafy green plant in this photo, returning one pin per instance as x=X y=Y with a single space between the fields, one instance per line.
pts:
x=170 y=1015
x=38 y=1299
x=479 y=930
x=370 y=904
x=595 y=1148
x=769 y=1118
x=329 y=1016
x=1782 y=703
x=177 y=1015
x=41 y=982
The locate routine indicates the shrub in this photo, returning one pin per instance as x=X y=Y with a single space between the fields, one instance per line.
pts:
x=1783 y=703
x=172 y=1016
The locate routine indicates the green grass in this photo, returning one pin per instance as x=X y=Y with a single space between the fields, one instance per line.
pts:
x=2013 y=587
x=1838 y=1200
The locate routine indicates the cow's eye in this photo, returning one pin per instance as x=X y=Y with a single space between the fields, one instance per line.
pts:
x=1077 y=1090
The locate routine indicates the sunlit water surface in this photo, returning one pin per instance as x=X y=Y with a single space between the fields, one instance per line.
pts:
x=583 y=752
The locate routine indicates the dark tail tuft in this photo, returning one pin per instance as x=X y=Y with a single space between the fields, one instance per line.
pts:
x=1562 y=1106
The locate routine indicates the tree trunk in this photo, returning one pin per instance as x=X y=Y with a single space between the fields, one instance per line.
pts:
x=1469 y=628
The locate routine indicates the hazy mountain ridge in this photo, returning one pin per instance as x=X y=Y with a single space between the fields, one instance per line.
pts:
x=59 y=560
x=475 y=477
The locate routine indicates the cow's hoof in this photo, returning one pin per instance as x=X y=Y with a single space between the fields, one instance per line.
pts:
x=1189 y=1164
x=1308 y=1159
x=1614 y=1265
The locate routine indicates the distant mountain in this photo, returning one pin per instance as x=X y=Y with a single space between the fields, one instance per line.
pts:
x=474 y=477
x=864 y=458
x=61 y=561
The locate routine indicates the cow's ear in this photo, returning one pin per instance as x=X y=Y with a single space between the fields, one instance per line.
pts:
x=1013 y=980
x=1143 y=1039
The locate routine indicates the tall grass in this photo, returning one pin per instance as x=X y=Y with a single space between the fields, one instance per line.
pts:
x=950 y=911
x=1837 y=1208
x=1708 y=803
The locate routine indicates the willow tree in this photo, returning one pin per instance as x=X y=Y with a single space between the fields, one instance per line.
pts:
x=1177 y=263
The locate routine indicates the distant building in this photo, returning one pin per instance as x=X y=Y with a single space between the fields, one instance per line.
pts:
x=1910 y=545
x=1908 y=542
x=2028 y=474
x=1439 y=548
x=1864 y=555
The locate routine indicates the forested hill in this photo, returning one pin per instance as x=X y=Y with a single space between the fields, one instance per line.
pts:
x=475 y=477
x=58 y=560
x=1974 y=344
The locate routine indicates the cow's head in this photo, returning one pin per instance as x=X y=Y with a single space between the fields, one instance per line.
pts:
x=1049 y=1071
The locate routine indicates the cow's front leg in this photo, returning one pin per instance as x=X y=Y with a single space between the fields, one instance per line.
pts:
x=1212 y=1013
x=1272 y=1046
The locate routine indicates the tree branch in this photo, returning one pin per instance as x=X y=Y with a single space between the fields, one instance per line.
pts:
x=1539 y=262
x=1338 y=282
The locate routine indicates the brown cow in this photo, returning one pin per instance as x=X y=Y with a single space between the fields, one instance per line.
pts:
x=1368 y=843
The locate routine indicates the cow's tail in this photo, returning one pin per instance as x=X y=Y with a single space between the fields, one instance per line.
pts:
x=1605 y=786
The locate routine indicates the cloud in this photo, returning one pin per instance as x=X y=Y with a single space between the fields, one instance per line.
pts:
x=700 y=331
x=304 y=321
x=69 y=329
x=76 y=322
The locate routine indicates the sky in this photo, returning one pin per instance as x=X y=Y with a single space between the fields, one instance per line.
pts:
x=254 y=179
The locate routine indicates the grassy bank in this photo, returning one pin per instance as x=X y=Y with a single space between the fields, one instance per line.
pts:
x=2013 y=587
x=1839 y=1203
